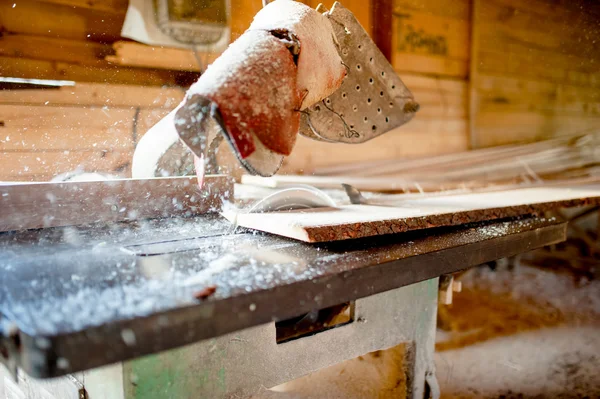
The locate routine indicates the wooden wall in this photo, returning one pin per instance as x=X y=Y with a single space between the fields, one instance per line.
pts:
x=536 y=70
x=485 y=73
x=87 y=127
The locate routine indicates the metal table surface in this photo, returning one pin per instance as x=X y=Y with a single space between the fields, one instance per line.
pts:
x=76 y=298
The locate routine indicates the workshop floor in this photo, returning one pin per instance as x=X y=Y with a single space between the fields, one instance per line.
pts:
x=523 y=333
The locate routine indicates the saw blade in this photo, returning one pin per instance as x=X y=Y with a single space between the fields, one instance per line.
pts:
x=305 y=197
x=296 y=198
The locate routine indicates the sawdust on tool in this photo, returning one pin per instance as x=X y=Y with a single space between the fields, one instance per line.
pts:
x=254 y=85
x=320 y=68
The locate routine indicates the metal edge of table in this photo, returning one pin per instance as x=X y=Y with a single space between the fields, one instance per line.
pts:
x=104 y=345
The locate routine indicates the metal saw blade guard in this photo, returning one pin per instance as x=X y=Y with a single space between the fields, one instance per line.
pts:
x=372 y=99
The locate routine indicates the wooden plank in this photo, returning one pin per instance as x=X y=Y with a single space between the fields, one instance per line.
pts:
x=560 y=34
x=43 y=166
x=40 y=142
x=523 y=62
x=57 y=70
x=363 y=11
x=58 y=20
x=505 y=93
x=41 y=128
x=358 y=221
x=419 y=137
x=112 y=6
x=32 y=206
x=141 y=55
x=536 y=163
x=534 y=81
x=431 y=37
x=82 y=52
x=97 y=94
x=242 y=14
x=474 y=74
x=445 y=8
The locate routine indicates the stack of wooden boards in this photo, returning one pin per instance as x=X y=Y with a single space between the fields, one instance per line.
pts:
x=474 y=186
x=550 y=162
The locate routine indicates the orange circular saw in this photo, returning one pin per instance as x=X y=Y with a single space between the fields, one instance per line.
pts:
x=296 y=70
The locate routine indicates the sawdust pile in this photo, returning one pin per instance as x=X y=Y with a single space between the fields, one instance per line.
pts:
x=520 y=333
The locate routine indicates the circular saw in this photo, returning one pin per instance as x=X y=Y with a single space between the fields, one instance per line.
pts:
x=296 y=70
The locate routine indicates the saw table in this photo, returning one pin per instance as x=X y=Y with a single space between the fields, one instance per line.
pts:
x=186 y=307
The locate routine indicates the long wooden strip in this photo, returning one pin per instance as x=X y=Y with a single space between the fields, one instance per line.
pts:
x=39 y=205
x=144 y=56
x=56 y=70
x=388 y=166
x=357 y=221
x=85 y=95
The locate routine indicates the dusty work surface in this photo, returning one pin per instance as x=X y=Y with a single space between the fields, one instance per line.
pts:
x=395 y=214
x=122 y=290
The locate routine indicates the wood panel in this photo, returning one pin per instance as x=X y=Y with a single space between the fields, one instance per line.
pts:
x=439 y=127
x=45 y=132
x=140 y=55
x=97 y=94
x=147 y=118
x=69 y=40
x=56 y=70
x=74 y=36
x=45 y=128
x=60 y=20
x=432 y=37
x=416 y=139
x=51 y=49
x=401 y=215
x=535 y=80
x=112 y=6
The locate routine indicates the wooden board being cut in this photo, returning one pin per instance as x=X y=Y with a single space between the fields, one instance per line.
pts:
x=357 y=221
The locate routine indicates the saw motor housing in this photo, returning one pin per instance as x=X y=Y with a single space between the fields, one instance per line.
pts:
x=370 y=101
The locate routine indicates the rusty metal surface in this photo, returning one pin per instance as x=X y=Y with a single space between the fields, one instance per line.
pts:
x=82 y=297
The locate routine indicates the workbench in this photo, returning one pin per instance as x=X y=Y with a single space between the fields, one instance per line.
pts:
x=188 y=307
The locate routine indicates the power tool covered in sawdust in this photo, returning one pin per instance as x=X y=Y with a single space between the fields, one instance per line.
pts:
x=296 y=70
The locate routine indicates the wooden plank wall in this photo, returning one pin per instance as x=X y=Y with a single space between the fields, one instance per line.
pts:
x=89 y=127
x=68 y=40
x=428 y=42
x=484 y=72
x=536 y=70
